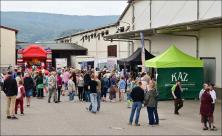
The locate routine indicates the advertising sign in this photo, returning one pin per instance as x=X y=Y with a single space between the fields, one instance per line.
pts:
x=111 y=63
x=191 y=80
x=61 y=62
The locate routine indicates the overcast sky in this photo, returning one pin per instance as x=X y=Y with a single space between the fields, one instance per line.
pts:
x=67 y=7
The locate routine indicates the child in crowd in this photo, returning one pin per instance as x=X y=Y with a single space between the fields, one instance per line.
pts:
x=19 y=98
x=122 y=87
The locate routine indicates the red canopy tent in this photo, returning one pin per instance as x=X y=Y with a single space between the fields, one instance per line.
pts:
x=34 y=51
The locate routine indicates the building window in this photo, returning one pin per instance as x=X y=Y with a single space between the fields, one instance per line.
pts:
x=121 y=29
x=107 y=32
x=98 y=36
x=102 y=33
x=89 y=38
x=112 y=51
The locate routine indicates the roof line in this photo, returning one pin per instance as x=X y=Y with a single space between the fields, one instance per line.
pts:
x=98 y=28
x=153 y=30
x=90 y=30
x=12 y=29
x=52 y=45
x=192 y=22
x=124 y=12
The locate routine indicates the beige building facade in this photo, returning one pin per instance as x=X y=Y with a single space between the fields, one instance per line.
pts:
x=7 y=47
x=192 y=26
x=97 y=47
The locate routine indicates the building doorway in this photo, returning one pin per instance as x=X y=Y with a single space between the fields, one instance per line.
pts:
x=209 y=69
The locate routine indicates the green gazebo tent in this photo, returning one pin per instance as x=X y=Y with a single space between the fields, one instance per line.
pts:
x=174 y=65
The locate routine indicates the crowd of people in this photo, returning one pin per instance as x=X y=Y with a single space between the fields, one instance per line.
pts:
x=96 y=86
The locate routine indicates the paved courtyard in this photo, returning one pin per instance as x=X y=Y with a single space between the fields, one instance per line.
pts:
x=71 y=118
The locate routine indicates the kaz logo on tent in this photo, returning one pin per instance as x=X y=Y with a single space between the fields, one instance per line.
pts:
x=182 y=76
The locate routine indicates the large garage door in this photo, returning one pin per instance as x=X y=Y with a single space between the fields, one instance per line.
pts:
x=209 y=69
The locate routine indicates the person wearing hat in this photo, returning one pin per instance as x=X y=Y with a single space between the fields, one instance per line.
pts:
x=176 y=92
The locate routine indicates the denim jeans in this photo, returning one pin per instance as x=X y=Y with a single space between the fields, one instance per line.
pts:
x=98 y=101
x=136 y=107
x=87 y=96
x=156 y=116
x=66 y=86
x=129 y=99
x=93 y=98
x=150 y=111
x=71 y=96
x=104 y=92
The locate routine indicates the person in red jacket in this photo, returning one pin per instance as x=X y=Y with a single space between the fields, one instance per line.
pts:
x=19 y=98
x=206 y=109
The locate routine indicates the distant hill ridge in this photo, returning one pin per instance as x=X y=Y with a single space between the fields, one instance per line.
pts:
x=41 y=27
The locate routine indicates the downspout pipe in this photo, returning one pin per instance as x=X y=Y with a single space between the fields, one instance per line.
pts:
x=194 y=36
x=124 y=40
x=150 y=13
x=133 y=15
x=130 y=40
x=198 y=9
x=112 y=40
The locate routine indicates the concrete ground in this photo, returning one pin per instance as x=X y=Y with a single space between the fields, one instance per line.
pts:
x=71 y=118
